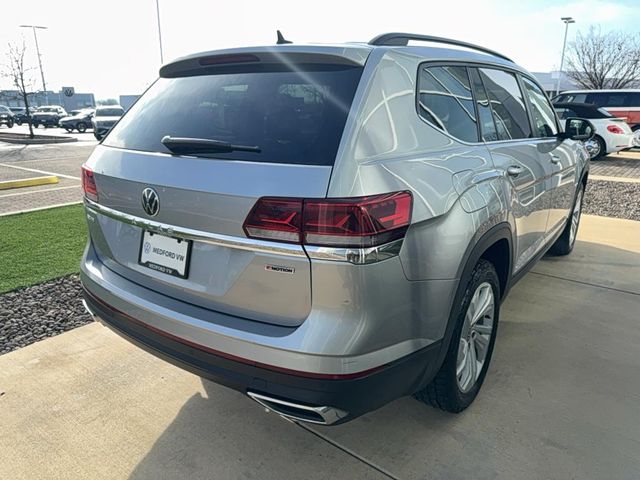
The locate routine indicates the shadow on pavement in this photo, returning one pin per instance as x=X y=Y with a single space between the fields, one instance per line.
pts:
x=557 y=402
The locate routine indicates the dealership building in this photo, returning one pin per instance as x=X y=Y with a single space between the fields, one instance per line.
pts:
x=75 y=101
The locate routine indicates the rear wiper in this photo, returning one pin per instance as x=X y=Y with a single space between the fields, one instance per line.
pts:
x=187 y=145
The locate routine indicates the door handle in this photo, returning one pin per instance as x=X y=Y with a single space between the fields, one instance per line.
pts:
x=555 y=159
x=514 y=170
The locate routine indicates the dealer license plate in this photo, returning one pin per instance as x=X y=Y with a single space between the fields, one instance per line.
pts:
x=165 y=254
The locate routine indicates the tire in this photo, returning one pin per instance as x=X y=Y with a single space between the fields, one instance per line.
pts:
x=98 y=137
x=69 y=129
x=35 y=124
x=81 y=127
x=567 y=240
x=19 y=122
x=10 y=123
x=602 y=149
x=450 y=391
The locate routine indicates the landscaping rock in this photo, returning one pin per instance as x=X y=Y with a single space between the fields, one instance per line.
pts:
x=34 y=313
x=612 y=199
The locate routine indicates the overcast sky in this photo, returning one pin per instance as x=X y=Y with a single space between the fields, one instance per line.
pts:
x=111 y=47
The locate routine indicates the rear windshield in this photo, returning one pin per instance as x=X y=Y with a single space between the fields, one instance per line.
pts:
x=294 y=117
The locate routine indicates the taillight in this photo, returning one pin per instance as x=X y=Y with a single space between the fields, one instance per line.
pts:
x=615 y=129
x=89 y=184
x=275 y=219
x=348 y=222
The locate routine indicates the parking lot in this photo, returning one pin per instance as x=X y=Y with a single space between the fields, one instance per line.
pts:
x=28 y=161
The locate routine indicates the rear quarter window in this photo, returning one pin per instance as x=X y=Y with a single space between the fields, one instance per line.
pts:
x=293 y=116
x=445 y=101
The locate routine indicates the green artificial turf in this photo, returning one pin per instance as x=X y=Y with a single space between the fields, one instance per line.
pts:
x=39 y=246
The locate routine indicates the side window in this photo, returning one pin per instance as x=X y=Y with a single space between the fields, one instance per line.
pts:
x=445 y=101
x=487 y=127
x=507 y=104
x=597 y=99
x=565 y=113
x=544 y=120
x=573 y=97
x=617 y=100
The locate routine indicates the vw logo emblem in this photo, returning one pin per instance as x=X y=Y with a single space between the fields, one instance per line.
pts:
x=150 y=202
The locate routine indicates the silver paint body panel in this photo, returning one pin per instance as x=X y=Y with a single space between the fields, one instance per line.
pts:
x=331 y=315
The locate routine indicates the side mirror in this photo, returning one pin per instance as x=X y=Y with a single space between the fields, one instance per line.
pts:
x=578 y=129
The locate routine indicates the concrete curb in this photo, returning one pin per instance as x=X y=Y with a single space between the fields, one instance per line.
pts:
x=28 y=182
x=37 y=140
x=37 y=209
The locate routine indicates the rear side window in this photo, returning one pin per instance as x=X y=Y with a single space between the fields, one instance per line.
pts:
x=294 y=117
x=571 y=98
x=445 y=101
x=544 y=119
x=565 y=113
x=507 y=104
x=487 y=126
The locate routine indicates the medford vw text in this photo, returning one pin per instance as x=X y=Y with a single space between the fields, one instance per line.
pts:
x=167 y=253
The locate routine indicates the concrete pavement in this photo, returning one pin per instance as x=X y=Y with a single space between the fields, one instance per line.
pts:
x=62 y=160
x=560 y=401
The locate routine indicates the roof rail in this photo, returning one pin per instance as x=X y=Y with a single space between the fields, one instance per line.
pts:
x=402 y=39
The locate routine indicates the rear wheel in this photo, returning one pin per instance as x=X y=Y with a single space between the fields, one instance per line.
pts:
x=565 y=242
x=68 y=129
x=597 y=149
x=10 y=123
x=18 y=122
x=81 y=127
x=462 y=373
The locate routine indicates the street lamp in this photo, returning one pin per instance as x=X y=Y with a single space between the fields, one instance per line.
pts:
x=567 y=21
x=35 y=36
x=159 y=30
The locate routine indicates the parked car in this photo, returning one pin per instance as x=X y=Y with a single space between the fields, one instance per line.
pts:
x=80 y=121
x=612 y=134
x=105 y=118
x=48 y=116
x=19 y=115
x=620 y=103
x=329 y=228
x=6 y=116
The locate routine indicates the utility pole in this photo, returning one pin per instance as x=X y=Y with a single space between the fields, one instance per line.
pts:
x=35 y=37
x=567 y=21
x=159 y=31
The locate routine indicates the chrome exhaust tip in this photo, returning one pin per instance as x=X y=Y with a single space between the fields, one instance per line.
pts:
x=296 y=411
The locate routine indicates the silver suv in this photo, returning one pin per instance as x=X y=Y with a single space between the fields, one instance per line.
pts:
x=328 y=228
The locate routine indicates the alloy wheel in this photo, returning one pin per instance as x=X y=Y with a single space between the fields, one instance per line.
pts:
x=475 y=337
x=575 y=218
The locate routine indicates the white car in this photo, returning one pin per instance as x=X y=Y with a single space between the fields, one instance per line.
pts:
x=613 y=134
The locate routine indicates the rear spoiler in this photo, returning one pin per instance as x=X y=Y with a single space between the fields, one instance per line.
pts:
x=212 y=62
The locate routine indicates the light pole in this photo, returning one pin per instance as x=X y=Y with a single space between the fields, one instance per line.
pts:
x=159 y=30
x=35 y=36
x=567 y=21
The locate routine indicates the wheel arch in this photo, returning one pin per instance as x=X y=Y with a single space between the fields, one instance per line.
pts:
x=496 y=244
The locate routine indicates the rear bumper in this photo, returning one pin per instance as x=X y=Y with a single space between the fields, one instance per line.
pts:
x=353 y=396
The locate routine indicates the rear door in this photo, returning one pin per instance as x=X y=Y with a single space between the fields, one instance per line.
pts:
x=517 y=154
x=293 y=114
x=554 y=154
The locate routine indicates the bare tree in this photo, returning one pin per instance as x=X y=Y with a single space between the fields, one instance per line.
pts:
x=604 y=60
x=20 y=76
